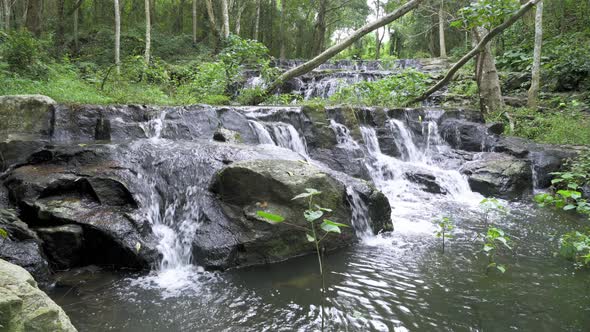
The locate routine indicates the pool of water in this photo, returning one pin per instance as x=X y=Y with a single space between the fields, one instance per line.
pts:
x=395 y=282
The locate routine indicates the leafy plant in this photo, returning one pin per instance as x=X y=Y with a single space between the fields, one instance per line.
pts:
x=394 y=90
x=445 y=228
x=313 y=215
x=575 y=246
x=24 y=54
x=3 y=233
x=485 y=13
x=493 y=241
x=491 y=206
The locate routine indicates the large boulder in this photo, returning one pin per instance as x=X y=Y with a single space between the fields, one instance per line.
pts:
x=22 y=246
x=499 y=175
x=250 y=186
x=25 y=116
x=467 y=135
x=24 y=307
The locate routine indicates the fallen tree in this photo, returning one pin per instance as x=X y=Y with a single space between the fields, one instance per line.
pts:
x=334 y=50
x=477 y=49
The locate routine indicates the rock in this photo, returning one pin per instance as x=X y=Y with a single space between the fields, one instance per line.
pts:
x=250 y=186
x=22 y=246
x=14 y=152
x=516 y=81
x=586 y=190
x=496 y=128
x=25 y=117
x=466 y=135
x=515 y=101
x=63 y=244
x=499 y=175
x=547 y=160
x=226 y=135
x=516 y=146
x=427 y=182
x=24 y=307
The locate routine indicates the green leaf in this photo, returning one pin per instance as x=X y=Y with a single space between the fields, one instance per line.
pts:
x=501 y=268
x=569 y=207
x=330 y=222
x=312 y=215
x=488 y=248
x=304 y=195
x=137 y=247
x=310 y=238
x=271 y=218
x=330 y=228
x=3 y=233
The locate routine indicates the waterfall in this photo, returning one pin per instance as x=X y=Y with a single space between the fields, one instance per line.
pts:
x=343 y=135
x=153 y=127
x=360 y=215
x=280 y=134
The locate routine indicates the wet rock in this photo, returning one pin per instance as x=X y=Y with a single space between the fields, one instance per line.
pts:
x=22 y=246
x=466 y=135
x=64 y=245
x=427 y=182
x=343 y=159
x=496 y=128
x=25 y=117
x=516 y=146
x=24 y=307
x=516 y=81
x=226 y=135
x=14 y=152
x=499 y=175
x=249 y=186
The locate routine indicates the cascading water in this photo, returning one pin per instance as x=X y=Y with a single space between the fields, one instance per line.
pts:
x=283 y=135
x=153 y=127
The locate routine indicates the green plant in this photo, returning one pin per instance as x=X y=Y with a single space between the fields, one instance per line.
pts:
x=24 y=54
x=393 y=90
x=485 y=13
x=3 y=233
x=575 y=246
x=445 y=229
x=493 y=241
x=313 y=215
x=492 y=206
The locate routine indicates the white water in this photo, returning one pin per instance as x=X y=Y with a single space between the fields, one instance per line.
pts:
x=283 y=135
x=360 y=215
x=153 y=127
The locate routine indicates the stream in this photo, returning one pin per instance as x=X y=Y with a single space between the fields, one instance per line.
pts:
x=398 y=281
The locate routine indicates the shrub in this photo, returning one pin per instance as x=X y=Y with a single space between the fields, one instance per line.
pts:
x=24 y=54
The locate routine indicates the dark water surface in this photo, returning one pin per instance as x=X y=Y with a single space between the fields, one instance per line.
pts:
x=397 y=282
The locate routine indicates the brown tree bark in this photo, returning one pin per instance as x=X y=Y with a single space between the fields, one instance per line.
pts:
x=33 y=17
x=334 y=50
x=319 y=32
x=533 y=94
x=476 y=50
x=488 y=82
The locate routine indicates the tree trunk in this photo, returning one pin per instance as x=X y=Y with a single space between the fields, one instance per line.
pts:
x=476 y=50
x=148 y=32
x=241 y=9
x=319 y=33
x=441 y=30
x=283 y=37
x=76 y=39
x=7 y=14
x=533 y=94
x=225 y=16
x=257 y=21
x=488 y=82
x=194 y=22
x=334 y=50
x=60 y=29
x=33 y=17
x=117 y=36
x=377 y=36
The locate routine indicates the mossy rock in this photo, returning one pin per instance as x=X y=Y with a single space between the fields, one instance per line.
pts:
x=25 y=117
x=24 y=307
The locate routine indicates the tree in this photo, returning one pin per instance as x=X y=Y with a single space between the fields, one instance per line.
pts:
x=533 y=93
x=225 y=17
x=319 y=33
x=477 y=49
x=194 y=22
x=441 y=30
x=33 y=17
x=257 y=21
x=148 y=32
x=334 y=50
x=282 y=32
x=486 y=74
x=117 y=36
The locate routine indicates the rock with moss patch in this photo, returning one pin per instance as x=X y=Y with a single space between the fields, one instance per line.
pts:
x=24 y=307
x=25 y=117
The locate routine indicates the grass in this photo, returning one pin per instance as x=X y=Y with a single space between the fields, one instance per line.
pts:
x=557 y=126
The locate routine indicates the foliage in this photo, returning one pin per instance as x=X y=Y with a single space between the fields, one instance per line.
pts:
x=241 y=52
x=394 y=90
x=492 y=206
x=3 y=233
x=313 y=215
x=567 y=66
x=575 y=246
x=485 y=13
x=24 y=54
x=494 y=240
x=565 y=191
x=445 y=229
x=565 y=125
